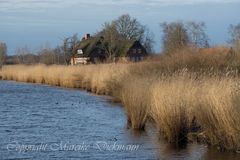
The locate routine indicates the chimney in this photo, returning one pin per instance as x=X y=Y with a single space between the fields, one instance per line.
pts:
x=87 y=36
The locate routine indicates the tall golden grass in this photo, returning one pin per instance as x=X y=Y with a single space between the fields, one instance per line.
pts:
x=213 y=103
x=92 y=78
x=134 y=94
x=181 y=94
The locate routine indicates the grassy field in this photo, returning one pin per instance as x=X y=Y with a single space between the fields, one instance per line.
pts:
x=190 y=95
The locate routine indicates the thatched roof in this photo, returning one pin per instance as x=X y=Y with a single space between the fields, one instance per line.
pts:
x=88 y=45
x=92 y=43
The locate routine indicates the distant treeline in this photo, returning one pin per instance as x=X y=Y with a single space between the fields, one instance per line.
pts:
x=46 y=55
x=175 y=36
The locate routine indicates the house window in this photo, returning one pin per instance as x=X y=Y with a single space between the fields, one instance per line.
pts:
x=139 y=51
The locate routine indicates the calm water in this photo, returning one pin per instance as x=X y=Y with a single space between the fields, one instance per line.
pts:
x=42 y=122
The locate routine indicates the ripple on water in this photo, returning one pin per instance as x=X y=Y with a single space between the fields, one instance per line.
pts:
x=62 y=118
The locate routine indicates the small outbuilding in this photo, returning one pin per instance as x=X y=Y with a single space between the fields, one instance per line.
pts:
x=136 y=52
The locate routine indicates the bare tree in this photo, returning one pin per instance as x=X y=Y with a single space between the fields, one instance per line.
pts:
x=59 y=54
x=47 y=56
x=111 y=39
x=123 y=30
x=175 y=36
x=179 y=35
x=70 y=45
x=148 y=41
x=234 y=31
x=25 y=56
x=129 y=27
x=197 y=35
x=3 y=53
x=66 y=50
x=21 y=52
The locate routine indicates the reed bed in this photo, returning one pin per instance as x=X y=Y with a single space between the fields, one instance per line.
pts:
x=181 y=99
x=186 y=104
x=93 y=78
x=180 y=104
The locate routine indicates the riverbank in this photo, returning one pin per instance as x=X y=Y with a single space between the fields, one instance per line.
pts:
x=189 y=97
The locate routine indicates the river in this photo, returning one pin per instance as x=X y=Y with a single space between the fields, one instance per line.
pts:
x=44 y=122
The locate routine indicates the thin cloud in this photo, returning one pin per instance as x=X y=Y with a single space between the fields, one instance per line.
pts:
x=11 y=5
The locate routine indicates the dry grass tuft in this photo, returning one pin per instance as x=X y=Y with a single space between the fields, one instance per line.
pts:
x=172 y=100
x=135 y=98
x=218 y=111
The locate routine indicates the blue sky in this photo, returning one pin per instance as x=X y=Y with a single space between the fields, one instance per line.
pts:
x=34 y=23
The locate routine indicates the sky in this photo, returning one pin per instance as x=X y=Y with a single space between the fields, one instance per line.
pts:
x=35 y=23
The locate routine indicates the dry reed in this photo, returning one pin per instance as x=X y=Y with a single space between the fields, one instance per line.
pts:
x=135 y=97
x=92 y=77
x=204 y=93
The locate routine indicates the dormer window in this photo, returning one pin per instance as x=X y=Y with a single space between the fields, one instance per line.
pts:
x=79 y=51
